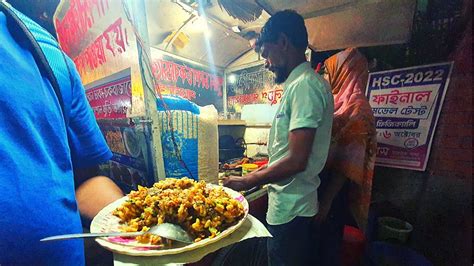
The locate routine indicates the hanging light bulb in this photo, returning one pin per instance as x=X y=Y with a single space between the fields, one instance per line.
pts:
x=232 y=78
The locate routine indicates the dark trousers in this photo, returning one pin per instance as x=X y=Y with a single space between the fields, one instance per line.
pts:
x=327 y=239
x=328 y=235
x=291 y=243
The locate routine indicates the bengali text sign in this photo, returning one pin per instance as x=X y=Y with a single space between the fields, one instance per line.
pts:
x=252 y=85
x=406 y=105
x=199 y=84
x=111 y=99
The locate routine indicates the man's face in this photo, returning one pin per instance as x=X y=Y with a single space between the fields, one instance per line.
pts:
x=275 y=61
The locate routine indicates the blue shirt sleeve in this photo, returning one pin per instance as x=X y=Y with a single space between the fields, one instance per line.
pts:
x=87 y=144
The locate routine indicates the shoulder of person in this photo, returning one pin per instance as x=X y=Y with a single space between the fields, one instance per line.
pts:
x=41 y=35
x=309 y=81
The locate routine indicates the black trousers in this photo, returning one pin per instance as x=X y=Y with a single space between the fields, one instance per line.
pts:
x=291 y=243
x=327 y=236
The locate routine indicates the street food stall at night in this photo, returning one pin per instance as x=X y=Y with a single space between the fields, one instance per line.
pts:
x=129 y=59
x=178 y=90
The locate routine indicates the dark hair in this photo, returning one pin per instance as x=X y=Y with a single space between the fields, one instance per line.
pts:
x=288 y=22
x=34 y=9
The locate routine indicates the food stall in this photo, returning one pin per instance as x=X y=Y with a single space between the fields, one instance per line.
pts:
x=135 y=56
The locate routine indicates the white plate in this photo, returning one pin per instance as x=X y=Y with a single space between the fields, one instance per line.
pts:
x=105 y=221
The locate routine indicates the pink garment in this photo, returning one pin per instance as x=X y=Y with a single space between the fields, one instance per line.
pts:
x=353 y=144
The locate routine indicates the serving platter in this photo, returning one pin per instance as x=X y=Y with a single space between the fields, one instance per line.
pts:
x=105 y=221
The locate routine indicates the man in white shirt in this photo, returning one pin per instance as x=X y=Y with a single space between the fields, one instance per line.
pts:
x=298 y=141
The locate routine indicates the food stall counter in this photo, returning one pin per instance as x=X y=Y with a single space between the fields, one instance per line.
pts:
x=251 y=228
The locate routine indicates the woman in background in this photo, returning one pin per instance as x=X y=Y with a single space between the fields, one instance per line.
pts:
x=346 y=182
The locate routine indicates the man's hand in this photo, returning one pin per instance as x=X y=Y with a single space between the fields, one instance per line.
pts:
x=322 y=212
x=237 y=183
x=300 y=145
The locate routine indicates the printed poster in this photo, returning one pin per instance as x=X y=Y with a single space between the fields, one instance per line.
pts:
x=98 y=37
x=252 y=85
x=111 y=97
x=406 y=105
x=199 y=84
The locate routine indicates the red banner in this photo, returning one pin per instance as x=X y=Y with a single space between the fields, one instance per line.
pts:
x=111 y=100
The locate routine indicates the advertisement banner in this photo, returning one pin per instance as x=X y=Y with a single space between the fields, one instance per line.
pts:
x=199 y=84
x=113 y=97
x=252 y=85
x=406 y=105
x=98 y=37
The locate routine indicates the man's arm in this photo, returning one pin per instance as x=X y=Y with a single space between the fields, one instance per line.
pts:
x=94 y=191
x=300 y=143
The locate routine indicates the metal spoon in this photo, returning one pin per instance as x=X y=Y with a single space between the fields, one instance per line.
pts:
x=166 y=230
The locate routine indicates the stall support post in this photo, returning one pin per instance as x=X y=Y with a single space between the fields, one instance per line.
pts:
x=136 y=8
x=224 y=95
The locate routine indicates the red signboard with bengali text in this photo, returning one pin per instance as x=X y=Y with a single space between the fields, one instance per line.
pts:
x=112 y=98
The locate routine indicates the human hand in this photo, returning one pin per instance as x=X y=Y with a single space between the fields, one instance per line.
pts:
x=237 y=183
x=324 y=208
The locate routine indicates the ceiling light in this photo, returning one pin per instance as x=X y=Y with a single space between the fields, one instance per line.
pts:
x=232 y=78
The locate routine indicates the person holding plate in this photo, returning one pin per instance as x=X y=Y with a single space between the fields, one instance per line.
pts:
x=298 y=142
x=50 y=145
